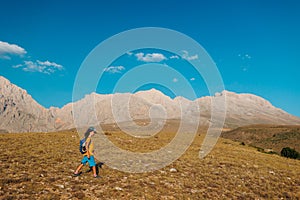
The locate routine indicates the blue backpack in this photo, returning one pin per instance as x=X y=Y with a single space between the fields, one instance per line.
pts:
x=82 y=147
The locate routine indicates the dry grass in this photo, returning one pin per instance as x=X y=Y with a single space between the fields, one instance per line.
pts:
x=40 y=166
x=273 y=137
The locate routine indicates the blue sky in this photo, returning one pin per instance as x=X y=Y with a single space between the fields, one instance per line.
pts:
x=255 y=44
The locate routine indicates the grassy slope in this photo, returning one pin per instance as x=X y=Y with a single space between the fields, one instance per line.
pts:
x=40 y=166
x=267 y=136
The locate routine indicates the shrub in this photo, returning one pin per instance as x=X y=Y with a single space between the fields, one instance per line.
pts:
x=289 y=153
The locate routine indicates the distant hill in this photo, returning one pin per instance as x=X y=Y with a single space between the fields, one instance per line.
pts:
x=19 y=112
x=270 y=137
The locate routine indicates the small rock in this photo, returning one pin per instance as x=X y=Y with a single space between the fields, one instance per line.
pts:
x=124 y=179
x=193 y=191
x=152 y=183
x=272 y=172
x=60 y=186
x=216 y=172
x=173 y=170
x=119 y=189
x=255 y=166
x=42 y=175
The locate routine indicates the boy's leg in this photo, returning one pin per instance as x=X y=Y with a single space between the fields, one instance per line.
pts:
x=94 y=171
x=92 y=164
x=78 y=169
x=83 y=162
x=98 y=165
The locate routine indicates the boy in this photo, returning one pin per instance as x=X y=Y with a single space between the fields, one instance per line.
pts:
x=88 y=156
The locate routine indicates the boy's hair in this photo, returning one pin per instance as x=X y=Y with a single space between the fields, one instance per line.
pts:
x=87 y=133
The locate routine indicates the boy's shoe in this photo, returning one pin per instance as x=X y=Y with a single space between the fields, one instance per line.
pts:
x=97 y=176
x=75 y=175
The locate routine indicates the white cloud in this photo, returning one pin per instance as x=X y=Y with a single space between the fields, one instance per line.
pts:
x=174 y=57
x=175 y=80
x=114 y=69
x=245 y=60
x=17 y=66
x=150 y=57
x=5 y=57
x=192 y=79
x=247 y=56
x=10 y=49
x=45 y=67
x=129 y=53
x=194 y=57
x=50 y=64
x=244 y=56
x=186 y=56
x=30 y=66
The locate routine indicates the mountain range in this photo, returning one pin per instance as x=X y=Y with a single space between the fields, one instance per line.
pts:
x=19 y=112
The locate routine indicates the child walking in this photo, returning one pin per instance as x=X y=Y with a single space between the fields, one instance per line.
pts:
x=89 y=155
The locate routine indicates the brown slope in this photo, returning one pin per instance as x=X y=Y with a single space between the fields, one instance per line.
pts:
x=273 y=137
x=230 y=171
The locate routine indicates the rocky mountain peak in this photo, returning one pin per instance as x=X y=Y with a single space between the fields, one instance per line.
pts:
x=19 y=112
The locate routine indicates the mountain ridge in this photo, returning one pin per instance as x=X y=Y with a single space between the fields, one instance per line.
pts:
x=19 y=112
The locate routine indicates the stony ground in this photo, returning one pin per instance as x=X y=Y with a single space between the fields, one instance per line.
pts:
x=40 y=166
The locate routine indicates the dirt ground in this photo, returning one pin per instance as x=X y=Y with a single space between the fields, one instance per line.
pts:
x=40 y=166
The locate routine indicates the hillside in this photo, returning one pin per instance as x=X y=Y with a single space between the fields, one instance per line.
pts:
x=267 y=136
x=40 y=166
